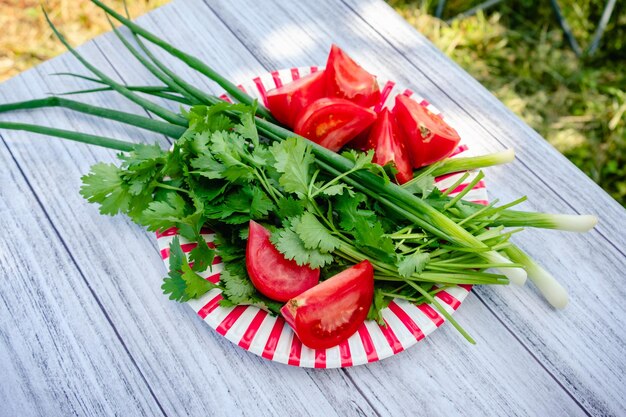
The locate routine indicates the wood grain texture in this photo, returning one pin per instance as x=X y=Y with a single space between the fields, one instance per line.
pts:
x=530 y=360
x=577 y=260
x=58 y=354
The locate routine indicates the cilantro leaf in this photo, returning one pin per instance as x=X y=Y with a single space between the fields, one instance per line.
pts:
x=195 y=285
x=207 y=166
x=164 y=214
x=237 y=286
x=413 y=263
x=105 y=185
x=174 y=284
x=203 y=118
x=314 y=235
x=291 y=246
x=247 y=127
x=293 y=159
x=241 y=205
x=379 y=303
x=337 y=189
x=289 y=207
x=349 y=213
x=202 y=255
x=229 y=249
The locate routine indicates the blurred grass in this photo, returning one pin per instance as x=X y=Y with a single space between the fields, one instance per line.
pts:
x=515 y=49
x=518 y=51
x=26 y=39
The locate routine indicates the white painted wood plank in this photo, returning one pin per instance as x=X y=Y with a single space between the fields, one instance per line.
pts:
x=592 y=378
x=58 y=354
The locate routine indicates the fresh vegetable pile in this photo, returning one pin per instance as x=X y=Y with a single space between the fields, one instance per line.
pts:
x=326 y=239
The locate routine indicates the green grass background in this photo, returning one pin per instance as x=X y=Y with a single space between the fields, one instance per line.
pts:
x=515 y=49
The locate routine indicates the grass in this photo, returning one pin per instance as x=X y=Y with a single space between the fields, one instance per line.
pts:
x=26 y=39
x=515 y=49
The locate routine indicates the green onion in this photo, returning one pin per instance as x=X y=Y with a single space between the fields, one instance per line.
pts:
x=545 y=282
x=68 y=134
x=158 y=126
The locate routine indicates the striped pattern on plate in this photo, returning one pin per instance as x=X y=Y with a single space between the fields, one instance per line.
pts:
x=270 y=337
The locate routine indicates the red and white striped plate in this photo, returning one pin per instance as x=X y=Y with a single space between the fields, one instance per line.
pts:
x=255 y=330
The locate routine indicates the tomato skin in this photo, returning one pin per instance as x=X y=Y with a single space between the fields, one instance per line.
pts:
x=389 y=146
x=427 y=137
x=333 y=310
x=333 y=122
x=274 y=276
x=347 y=79
x=287 y=101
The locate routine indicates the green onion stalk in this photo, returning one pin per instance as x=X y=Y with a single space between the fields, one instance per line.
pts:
x=448 y=220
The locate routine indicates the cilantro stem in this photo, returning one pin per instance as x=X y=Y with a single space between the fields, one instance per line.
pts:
x=171 y=187
x=265 y=184
x=332 y=182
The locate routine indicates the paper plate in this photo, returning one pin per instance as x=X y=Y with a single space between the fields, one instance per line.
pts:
x=255 y=330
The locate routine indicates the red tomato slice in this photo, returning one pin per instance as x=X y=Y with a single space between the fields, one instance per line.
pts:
x=427 y=137
x=333 y=122
x=274 y=276
x=332 y=311
x=389 y=146
x=287 y=101
x=346 y=79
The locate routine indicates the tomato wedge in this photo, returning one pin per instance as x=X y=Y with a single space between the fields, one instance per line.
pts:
x=274 y=276
x=332 y=311
x=389 y=146
x=427 y=137
x=287 y=101
x=333 y=122
x=346 y=79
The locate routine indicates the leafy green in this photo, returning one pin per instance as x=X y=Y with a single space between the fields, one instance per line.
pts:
x=379 y=303
x=182 y=282
x=289 y=243
x=313 y=234
x=293 y=159
x=414 y=263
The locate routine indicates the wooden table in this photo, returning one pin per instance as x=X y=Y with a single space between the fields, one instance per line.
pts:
x=85 y=330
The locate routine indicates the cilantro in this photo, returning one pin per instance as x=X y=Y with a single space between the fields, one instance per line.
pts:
x=237 y=286
x=202 y=255
x=292 y=247
x=182 y=282
x=289 y=207
x=349 y=213
x=314 y=235
x=414 y=263
x=337 y=189
x=293 y=159
x=164 y=214
x=104 y=185
x=379 y=303
x=241 y=205
x=195 y=285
